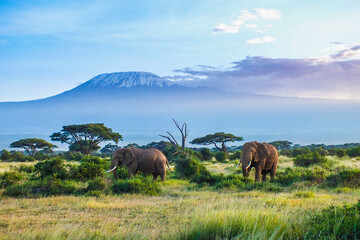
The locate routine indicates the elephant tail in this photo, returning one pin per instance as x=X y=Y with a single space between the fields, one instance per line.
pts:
x=167 y=163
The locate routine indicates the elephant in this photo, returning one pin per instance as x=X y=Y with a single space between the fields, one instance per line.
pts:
x=262 y=156
x=149 y=160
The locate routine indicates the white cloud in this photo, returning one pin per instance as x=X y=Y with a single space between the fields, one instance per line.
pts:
x=245 y=17
x=260 y=40
x=223 y=28
x=268 y=13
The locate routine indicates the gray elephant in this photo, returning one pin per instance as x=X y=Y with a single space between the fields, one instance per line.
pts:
x=149 y=160
x=262 y=156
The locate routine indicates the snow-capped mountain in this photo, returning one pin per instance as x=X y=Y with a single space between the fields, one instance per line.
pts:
x=127 y=79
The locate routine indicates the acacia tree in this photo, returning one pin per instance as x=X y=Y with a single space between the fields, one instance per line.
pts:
x=217 y=138
x=279 y=145
x=109 y=148
x=85 y=138
x=31 y=145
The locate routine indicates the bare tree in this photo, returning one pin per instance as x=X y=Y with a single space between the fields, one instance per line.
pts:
x=184 y=133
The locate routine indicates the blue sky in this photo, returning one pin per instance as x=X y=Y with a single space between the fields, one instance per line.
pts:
x=47 y=47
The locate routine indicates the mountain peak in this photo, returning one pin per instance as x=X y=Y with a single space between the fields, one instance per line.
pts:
x=127 y=80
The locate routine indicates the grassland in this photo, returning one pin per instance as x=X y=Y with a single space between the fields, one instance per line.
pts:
x=181 y=211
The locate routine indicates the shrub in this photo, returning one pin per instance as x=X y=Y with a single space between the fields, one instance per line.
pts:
x=220 y=156
x=97 y=184
x=54 y=167
x=5 y=155
x=340 y=152
x=296 y=174
x=137 y=184
x=27 y=168
x=188 y=167
x=335 y=222
x=236 y=155
x=9 y=178
x=206 y=155
x=344 y=177
x=308 y=159
x=304 y=194
x=44 y=187
x=353 y=152
x=90 y=168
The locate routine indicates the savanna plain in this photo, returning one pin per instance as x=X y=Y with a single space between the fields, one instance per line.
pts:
x=72 y=197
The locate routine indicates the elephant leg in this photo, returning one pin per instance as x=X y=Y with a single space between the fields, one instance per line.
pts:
x=272 y=174
x=263 y=178
x=257 y=174
x=155 y=176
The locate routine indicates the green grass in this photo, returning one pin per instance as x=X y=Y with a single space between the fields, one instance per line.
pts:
x=181 y=210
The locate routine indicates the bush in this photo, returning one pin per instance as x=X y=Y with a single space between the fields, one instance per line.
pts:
x=27 y=168
x=206 y=155
x=97 y=184
x=308 y=159
x=344 y=177
x=353 y=152
x=137 y=184
x=340 y=152
x=236 y=155
x=304 y=194
x=5 y=155
x=335 y=222
x=220 y=156
x=45 y=187
x=90 y=168
x=54 y=167
x=189 y=167
x=291 y=175
x=9 y=178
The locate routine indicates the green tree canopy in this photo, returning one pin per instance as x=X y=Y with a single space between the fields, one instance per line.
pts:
x=217 y=138
x=85 y=138
x=31 y=145
x=281 y=144
x=109 y=148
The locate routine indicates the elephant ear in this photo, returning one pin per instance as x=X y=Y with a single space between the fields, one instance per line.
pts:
x=128 y=156
x=262 y=152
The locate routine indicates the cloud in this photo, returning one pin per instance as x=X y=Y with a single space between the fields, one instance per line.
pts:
x=246 y=16
x=268 y=13
x=350 y=52
x=309 y=78
x=260 y=40
x=223 y=28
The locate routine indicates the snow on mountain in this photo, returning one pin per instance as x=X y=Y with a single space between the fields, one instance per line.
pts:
x=127 y=80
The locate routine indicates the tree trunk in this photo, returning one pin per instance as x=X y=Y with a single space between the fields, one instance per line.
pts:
x=224 y=149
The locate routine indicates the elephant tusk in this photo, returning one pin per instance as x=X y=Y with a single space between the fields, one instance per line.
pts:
x=248 y=165
x=111 y=170
x=238 y=165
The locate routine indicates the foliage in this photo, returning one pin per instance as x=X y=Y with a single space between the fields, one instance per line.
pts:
x=97 y=184
x=31 y=145
x=335 y=222
x=15 y=156
x=43 y=187
x=220 y=156
x=236 y=155
x=215 y=138
x=85 y=137
x=109 y=149
x=189 y=167
x=138 y=184
x=308 y=159
x=344 y=177
x=353 y=152
x=90 y=168
x=296 y=174
x=340 y=153
x=27 y=168
x=9 y=178
x=206 y=155
x=279 y=145
x=54 y=167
